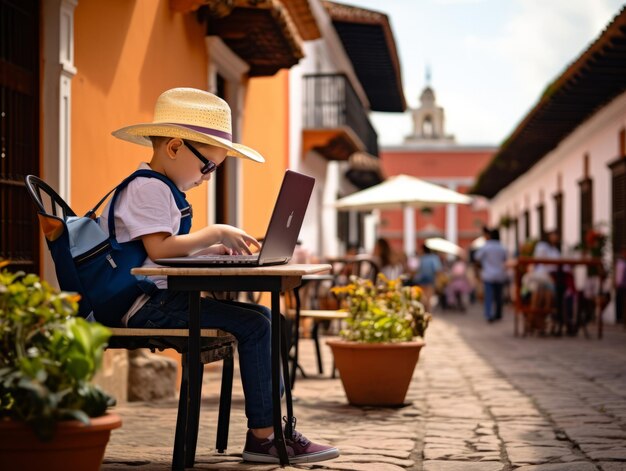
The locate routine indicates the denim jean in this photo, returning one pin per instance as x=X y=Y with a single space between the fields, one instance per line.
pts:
x=249 y=323
x=493 y=295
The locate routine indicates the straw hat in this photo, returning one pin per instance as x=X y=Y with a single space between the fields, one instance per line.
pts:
x=189 y=113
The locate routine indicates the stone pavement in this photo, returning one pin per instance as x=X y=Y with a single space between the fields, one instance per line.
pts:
x=480 y=400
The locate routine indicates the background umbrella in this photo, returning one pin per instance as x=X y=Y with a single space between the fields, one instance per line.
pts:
x=444 y=246
x=402 y=192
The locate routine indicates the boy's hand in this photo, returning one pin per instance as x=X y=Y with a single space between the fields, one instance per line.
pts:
x=216 y=238
x=236 y=240
x=216 y=249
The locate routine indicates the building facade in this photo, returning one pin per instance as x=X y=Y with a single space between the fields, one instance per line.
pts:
x=75 y=70
x=432 y=155
x=564 y=167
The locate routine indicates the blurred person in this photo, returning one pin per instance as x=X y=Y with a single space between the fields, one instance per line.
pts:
x=389 y=260
x=539 y=283
x=429 y=267
x=459 y=285
x=492 y=258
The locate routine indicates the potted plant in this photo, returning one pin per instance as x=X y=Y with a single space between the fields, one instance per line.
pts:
x=380 y=345
x=594 y=245
x=51 y=416
x=505 y=221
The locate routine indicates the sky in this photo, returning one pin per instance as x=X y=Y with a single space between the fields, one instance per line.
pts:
x=489 y=60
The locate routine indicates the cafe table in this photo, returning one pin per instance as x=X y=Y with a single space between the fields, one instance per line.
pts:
x=521 y=263
x=273 y=279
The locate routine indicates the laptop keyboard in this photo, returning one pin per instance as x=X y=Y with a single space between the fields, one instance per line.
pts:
x=230 y=258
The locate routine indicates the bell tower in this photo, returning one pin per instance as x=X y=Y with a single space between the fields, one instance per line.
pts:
x=428 y=120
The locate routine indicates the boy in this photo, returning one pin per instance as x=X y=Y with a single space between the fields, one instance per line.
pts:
x=191 y=137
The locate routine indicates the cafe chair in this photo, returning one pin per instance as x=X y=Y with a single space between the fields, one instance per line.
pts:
x=322 y=306
x=215 y=345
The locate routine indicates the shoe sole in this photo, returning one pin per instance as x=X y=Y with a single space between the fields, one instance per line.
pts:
x=308 y=458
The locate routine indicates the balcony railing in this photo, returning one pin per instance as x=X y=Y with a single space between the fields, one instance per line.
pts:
x=331 y=102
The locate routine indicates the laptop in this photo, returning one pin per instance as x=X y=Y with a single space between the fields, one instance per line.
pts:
x=281 y=236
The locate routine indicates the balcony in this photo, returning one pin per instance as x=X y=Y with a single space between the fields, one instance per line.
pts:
x=335 y=123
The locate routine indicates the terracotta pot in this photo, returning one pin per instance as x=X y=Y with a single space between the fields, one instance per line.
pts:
x=75 y=446
x=375 y=374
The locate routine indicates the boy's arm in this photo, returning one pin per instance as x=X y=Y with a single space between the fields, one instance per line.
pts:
x=165 y=245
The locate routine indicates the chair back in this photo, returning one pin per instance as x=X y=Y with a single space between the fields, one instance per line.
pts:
x=46 y=199
x=363 y=266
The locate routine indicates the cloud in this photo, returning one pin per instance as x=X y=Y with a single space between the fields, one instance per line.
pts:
x=543 y=38
x=456 y=2
x=491 y=59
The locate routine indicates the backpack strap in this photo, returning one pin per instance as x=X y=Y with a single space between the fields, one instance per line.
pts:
x=179 y=198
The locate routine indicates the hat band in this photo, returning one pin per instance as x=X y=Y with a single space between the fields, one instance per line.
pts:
x=209 y=131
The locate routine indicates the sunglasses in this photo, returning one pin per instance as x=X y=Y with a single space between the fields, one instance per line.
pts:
x=208 y=166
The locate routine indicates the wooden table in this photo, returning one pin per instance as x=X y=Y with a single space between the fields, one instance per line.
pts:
x=274 y=279
x=520 y=265
x=296 y=334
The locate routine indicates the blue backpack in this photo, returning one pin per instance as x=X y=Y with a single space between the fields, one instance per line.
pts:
x=94 y=264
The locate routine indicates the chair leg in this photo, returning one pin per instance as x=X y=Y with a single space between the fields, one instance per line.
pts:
x=178 y=459
x=318 y=350
x=223 y=420
x=192 y=434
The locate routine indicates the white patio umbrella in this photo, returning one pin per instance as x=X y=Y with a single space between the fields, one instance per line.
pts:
x=444 y=245
x=402 y=192
x=478 y=242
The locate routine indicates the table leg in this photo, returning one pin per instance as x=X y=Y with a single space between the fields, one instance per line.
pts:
x=194 y=365
x=289 y=426
x=296 y=337
x=226 y=392
x=279 y=438
x=560 y=292
x=178 y=458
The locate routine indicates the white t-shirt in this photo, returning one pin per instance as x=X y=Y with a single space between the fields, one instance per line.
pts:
x=545 y=250
x=145 y=206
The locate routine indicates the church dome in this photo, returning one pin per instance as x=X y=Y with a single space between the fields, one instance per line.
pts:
x=427 y=96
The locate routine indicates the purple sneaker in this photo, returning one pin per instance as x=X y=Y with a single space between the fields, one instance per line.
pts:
x=299 y=449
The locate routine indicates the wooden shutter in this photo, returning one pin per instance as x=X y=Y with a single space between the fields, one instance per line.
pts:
x=527 y=224
x=618 y=205
x=19 y=131
x=541 y=219
x=558 y=211
x=586 y=206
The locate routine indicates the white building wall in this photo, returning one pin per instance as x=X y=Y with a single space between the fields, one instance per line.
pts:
x=599 y=138
x=324 y=55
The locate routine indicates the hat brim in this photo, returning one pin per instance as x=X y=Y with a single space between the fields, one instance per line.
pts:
x=140 y=134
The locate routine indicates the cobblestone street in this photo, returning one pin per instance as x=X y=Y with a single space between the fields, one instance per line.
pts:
x=480 y=399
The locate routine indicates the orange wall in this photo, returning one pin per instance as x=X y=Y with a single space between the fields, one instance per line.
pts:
x=424 y=164
x=126 y=54
x=427 y=164
x=266 y=129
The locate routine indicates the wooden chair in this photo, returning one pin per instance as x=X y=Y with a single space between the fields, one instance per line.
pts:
x=324 y=306
x=215 y=345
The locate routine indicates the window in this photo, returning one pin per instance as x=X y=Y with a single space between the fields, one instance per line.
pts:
x=427 y=127
x=526 y=224
x=541 y=219
x=558 y=211
x=618 y=204
x=586 y=206
x=19 y=132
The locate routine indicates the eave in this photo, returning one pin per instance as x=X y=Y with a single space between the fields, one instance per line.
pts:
x=262 y=32
x=589 y=83
x=368 y=40
x=331 y=143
